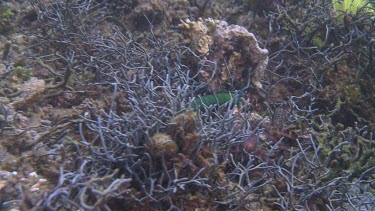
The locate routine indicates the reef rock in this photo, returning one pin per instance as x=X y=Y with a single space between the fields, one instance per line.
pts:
x=161 y=144
x=233 y=50
x=31 y=92
x=197 y=34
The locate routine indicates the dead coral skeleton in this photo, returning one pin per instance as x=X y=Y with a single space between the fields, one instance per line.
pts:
x=234 y=50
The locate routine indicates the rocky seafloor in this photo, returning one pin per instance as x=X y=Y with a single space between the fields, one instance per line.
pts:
x=187 y=105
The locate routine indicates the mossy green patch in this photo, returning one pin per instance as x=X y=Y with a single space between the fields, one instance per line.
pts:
x=22 y=73
x=5 y=12
x=6 y=15
x=351 y=6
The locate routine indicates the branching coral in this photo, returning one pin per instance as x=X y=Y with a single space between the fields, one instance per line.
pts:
x=140 y=146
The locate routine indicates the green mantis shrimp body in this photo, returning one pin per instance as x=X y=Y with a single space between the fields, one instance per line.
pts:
x=202 y=102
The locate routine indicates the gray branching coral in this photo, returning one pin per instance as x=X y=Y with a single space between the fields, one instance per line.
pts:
x=151 y=119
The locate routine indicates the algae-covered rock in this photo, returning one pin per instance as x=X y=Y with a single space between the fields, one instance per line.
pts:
x=186 y=122
x=197 y=34
x=31 y=93
x=234 y=49
x=161 y=144
x=183 y=129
